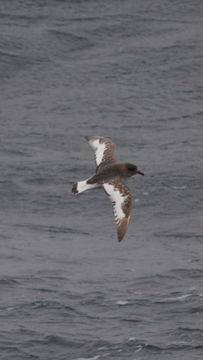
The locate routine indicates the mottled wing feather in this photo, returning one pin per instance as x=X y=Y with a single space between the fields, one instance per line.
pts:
x=103 y=150
x=121 y=198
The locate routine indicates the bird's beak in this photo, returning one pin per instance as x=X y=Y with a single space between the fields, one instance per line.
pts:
x=140 y=172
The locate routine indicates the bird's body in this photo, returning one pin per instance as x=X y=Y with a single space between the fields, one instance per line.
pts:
x=110 y=175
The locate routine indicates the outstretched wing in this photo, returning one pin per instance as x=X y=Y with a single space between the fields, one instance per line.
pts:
x=103 y=150
x=121 y=198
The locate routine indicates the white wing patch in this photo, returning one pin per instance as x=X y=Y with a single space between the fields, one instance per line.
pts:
x=103 y=150
x=98 y=150
x=83 y=186
x=117 y=199
x=121 y=198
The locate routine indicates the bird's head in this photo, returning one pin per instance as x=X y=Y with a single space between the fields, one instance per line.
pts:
x=133 y=170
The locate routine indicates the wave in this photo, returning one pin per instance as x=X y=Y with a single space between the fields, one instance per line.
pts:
x=179 y=235
x=8 y=281
x=175 y=298
x=70 y=41
x=51 y=229
x=89 y=358
x=189 y=273
x=61 y=341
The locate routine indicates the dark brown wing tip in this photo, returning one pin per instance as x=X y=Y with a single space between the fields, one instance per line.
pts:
x=74 y=189
x=87 y=138
x=122 y=228
x=120 y=238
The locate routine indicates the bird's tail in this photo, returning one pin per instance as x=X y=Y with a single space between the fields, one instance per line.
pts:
x=81 y=186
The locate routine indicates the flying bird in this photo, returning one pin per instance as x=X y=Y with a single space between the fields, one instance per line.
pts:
x=110 y=174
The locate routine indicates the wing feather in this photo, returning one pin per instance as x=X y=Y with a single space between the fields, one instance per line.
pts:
x=103 y=150
x=121 y=198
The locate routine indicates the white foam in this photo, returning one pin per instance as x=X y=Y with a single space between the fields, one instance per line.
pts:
x=180 y=187
x=131 y=339
x=122 y=302
x=177 y=298
x=92 y=358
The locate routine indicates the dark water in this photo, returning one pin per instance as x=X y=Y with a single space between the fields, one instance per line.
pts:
x=131 y=70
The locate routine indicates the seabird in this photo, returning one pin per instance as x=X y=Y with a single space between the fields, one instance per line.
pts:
x=110 y=175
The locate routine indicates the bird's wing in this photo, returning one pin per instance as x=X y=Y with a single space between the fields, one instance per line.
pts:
x=103 y=150
x=121 y=198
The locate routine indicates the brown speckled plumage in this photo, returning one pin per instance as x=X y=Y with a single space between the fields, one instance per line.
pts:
x=110 y=175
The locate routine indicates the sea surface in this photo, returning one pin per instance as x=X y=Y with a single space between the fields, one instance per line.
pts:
x=132 y=71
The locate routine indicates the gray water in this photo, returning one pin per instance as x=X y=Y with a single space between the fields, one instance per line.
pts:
x=130 y=70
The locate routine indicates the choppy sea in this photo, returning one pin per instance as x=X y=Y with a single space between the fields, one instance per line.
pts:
x=132 y=71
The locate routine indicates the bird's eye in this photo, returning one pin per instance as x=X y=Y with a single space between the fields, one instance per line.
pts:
x=132 y=168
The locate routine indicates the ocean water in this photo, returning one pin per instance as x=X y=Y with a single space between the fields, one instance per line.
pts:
x=130 y=70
